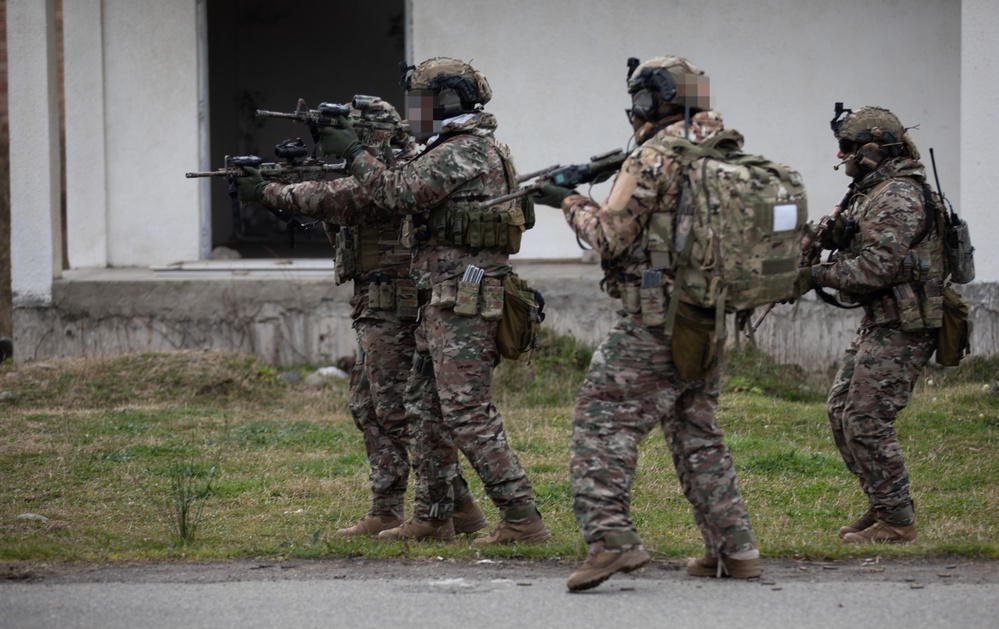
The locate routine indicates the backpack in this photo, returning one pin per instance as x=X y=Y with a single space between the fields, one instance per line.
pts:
x=735 y=239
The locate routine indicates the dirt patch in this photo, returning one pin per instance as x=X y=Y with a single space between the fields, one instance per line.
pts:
x=916 y=571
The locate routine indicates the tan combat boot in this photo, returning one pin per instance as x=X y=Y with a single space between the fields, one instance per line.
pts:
x=442 y=530
x=860 y=523
x=530 y=531
x=468 y=518
x=735 y=568
x=370 y=525
x=600 y=565
x=883 y=533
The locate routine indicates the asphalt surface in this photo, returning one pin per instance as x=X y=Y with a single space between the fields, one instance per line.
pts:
x=468 y=594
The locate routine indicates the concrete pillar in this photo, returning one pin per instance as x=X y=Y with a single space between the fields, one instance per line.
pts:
x=86 y=150
x=979 y=132
x=36 y=235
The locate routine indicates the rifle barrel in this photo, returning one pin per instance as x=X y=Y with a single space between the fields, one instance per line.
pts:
x=279 y=114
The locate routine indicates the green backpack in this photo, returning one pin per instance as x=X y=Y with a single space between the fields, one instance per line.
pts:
x=735 y=240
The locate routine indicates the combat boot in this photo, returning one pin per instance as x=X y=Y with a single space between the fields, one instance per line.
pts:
x=730 y=567
x=370 y=525
x=468 y=518
x=860 y=523
x=601 y=564
x=441 y=530
x=530 y=531
x=883 y=533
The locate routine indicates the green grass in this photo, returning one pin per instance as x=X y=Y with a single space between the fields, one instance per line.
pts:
x=274 y=469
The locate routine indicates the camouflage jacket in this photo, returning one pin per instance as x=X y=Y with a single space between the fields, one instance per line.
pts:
x=351 y=221
x=648 y=183
x=887 y=207
x=463 y=164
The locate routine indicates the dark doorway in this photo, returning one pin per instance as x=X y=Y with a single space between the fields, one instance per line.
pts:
x=266 y=55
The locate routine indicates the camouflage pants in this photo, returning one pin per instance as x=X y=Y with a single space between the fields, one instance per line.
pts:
x=377 y=393
x=874 y=382
x=452 y=406
x=632 y=387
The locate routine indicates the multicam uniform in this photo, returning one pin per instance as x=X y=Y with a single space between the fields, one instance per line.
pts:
x=632 y=384
x=894 y=267
x=370 y=252
x=441 y=188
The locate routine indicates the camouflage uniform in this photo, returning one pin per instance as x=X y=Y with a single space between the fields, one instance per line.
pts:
x=632 y=384
x=441 y=188
x=370 y=252
x=894 y=267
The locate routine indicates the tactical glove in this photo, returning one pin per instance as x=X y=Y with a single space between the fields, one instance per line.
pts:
x=340 y=141
x=250 y=185
x=552 y=195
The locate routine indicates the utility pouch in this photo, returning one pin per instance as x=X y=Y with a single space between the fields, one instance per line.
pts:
x=375 y=296
x=909 y=315
x=492 y=299
x=954 y=337
x=523 y=312
x=406 y=300
x=467 y=299
x=652 y=298
x=443 y=294
x=631 y=298
x=386 y=295
x=693 y=343
x=932 y=305
x=960 y=253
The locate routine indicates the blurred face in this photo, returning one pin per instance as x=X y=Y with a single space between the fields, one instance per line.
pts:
x=420 y=113
x=695 y=91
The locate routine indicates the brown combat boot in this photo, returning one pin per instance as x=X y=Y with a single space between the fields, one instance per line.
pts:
x=600 y=565
x=735 y=568
x=530 y=531
x=468 y=518
x=370 y=525
x=860 y=523
x=442 y=530
x=883 y=533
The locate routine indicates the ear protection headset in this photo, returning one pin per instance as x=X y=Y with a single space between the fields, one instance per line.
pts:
x=455 y=93
x=645 y=88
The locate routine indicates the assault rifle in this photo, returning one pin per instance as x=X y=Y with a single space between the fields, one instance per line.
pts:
x=600 y=168
x=372 y=122
x=295 y=168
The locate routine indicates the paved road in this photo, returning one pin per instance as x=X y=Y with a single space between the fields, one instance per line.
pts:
x=498 y=595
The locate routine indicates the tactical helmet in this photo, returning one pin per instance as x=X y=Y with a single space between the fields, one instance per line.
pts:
x=872 y=127
x=456 y=85
x=867 y=124
x=662 y=82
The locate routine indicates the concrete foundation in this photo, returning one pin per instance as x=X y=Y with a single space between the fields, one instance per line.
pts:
x=290 y=312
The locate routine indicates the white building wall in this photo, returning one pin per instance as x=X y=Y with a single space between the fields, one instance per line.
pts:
x=980 y=132
x=35 y=240
x=558 y=71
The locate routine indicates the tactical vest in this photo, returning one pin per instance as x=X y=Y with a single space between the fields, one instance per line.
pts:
x=915 y=297
x=363 y=249
x=460 y=221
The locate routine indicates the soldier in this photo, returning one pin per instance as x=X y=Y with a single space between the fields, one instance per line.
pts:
x=634 y=382
x=370 y=253
x=888 y=259
x=459 y=262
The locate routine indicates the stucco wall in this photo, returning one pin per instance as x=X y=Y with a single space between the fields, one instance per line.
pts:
x=558 y=72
